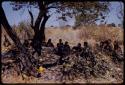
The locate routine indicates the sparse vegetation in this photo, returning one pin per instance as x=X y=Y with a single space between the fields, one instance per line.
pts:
x=34 y=53
x=93 y=35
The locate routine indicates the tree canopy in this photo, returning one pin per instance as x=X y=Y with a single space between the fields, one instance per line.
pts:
x=84 y=12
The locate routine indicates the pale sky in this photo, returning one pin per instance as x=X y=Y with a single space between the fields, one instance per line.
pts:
x=14 y=17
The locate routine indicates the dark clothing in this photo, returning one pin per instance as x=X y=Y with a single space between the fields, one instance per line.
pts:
x=116 y=46
x=66 y=50
x=117 y=54
x=50 y=44
x=88 y=55
x=78 y=49
x=59 y=44
x=43 y=43
x=61 y=50
x=85 y=52
x=108 y=48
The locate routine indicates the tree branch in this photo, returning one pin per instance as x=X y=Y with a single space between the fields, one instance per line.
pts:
x=40 y=16
x=48 y=2
x=44 y=22
x=51 y=7
x=32 y=19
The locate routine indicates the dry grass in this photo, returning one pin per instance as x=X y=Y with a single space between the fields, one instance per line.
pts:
x=90 y=33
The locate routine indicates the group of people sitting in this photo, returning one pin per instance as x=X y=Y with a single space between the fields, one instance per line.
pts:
x=64 y=49
x=112 y=48
x=85 y=52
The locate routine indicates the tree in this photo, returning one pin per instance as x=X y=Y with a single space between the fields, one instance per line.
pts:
x=69 y=9
x=24 y=57
x=88 y=12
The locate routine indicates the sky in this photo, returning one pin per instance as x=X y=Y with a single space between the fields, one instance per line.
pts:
x=15 y=17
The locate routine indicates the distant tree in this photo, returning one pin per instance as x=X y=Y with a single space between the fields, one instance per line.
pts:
x=111 y=25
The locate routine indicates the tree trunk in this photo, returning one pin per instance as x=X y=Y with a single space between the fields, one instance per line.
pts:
x=42 y=28
x=24 y=54
x=40 y=35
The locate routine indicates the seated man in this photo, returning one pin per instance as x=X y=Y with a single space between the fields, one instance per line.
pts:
x=86 y=47
x=60 y=42
x=109 y=46
x=116 y=45
x=117 y=52
x=106 y=45
x=88 y=54
x=66 y=48
x=77 y=48
x=60 y=48
x=49 y=43
x=60 y=51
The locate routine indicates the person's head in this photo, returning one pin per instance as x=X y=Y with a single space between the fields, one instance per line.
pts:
x=85 y=43
x=49 y=40
x=79 y=44
x=60 y=40
x=66 y=43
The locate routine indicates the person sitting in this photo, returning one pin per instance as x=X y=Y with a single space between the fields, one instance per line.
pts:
x=60 y=51
x=109 y=46
x=77 y=48
x=86 y=47
x=116 y=45
x=117 y=52
x=106 y=46
x=60 y=48
x=66 y=48
x=87 y=53
x=60 y=42
x=49 y=43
